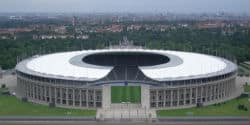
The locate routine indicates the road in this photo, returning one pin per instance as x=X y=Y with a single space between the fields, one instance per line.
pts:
x=206 y=120
x=160 y=121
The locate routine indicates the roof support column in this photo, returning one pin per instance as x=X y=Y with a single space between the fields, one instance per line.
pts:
x=157 y=98
x=171 y=98
x=73 y=97
x=33 y=91
x=196 y=94
x=67 y=96
x=164 y=98
x=20 y=87
x=201 y=99
x=224 y=88
x=227 y=90
x=211 y=93
x=80 y=90
x=55 y=95
x=50 y=94
x=87 y=98
x=106 y=96
x=191 y=96
x=184 y=96
x=206 y=92
x=178 y=97
x=61 y=96
x=215 y=93
x=219 y=90
x=94 y=96
x=145 y=96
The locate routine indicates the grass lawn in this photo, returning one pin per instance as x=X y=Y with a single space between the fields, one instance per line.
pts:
x=246 y=88
x=125 y=94
x=11 y=106
x=229 y=108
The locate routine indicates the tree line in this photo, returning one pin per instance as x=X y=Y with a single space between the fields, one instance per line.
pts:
x=212 y=41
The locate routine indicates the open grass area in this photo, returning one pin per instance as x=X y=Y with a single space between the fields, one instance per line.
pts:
x=130 y=94
x=246 y=88
x=11 y=106
x=229 y=108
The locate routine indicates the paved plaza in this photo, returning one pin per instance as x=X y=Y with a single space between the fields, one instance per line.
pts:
x=9 y=80
x=126 y=112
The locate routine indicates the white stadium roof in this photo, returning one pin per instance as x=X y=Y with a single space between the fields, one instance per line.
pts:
x=59 y=65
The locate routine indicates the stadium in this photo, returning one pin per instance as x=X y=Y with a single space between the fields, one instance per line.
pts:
x=150 y=79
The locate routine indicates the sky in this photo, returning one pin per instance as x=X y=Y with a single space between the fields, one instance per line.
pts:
x=176 y=6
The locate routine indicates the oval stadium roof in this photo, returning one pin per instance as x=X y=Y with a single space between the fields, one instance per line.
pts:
x=182 y=65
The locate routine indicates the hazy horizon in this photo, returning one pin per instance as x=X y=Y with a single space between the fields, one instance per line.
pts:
x=138 y=6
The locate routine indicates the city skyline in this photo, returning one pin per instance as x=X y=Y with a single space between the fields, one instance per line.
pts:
x=177 y=6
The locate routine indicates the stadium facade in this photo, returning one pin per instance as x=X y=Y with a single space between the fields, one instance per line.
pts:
x=168 y=79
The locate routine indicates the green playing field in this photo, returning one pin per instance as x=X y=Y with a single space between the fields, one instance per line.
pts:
x=130 y=94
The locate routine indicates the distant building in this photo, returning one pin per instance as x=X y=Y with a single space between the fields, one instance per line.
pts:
x=115 y=28
x=14 y=30
x=35 y=37
x=15 y=17
x=82 y=37
x=134 y=27
x=210 y=24
x=60 y=29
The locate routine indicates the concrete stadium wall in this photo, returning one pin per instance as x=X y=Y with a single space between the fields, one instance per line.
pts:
x=158 y=97
x=60 y=95
x=167 y=97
